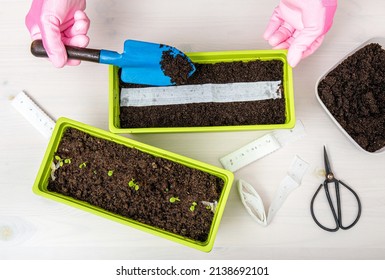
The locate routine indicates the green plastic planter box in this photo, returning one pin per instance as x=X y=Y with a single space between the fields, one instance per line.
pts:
x=210 y=57
x=44 y=173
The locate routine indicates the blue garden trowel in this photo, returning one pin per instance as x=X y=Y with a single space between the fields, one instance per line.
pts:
x=141 y=62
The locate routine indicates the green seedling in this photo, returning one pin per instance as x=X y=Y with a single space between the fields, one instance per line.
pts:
x=192 y=207
x=174 y=199
x=110 y=172
x=82 y=165
x=61 y=161
x=133 y=185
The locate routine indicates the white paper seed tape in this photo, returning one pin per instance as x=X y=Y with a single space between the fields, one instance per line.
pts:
x=253 y=202
x=33 y=113
x=186 y=94
x=261 y=147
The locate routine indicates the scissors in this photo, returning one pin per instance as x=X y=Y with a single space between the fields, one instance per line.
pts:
x=330 y=179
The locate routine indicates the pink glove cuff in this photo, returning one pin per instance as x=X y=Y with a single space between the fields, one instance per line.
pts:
x=330 y=10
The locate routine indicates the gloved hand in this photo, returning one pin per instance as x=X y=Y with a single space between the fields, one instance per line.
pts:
x=59 y=23
x=300 y=26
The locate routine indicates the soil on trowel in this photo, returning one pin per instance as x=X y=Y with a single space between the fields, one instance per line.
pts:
x=261 y=112
x=177 y=67
x=354 y=93
x=136 y=185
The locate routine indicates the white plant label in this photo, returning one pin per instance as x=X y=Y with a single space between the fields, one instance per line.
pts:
x=33 y=113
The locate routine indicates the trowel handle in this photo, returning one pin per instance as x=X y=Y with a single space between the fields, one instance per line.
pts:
x=92 y=55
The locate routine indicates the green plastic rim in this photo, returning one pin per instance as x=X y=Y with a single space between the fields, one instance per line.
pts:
x=41 y=182
x=210 y=57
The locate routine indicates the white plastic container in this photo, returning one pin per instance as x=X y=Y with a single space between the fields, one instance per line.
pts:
x=378 y=40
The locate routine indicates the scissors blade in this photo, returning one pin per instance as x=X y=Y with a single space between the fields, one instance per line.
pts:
x=328 y=170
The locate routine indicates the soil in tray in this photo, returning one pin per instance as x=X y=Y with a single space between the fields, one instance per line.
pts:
x=270 y=111
x=354 y=93
x=125 y=181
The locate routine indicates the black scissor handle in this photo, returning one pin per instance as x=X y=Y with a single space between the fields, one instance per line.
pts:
x=331 y=207
x=359 y=208
x=337 y=216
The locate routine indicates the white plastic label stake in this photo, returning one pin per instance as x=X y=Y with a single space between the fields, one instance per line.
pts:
x=249 y=153
x=286 y=136
x=186 y=94
x=253 y=202
x=33 y=113
x=261 y=147
x=291 y=181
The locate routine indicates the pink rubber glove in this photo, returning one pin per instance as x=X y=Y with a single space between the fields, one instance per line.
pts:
x=300 y=26
x=59 y=23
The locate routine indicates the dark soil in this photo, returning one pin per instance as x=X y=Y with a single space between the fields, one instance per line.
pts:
x=354 y=93
x=177 y=67
x=135 y=184
x=214 y=114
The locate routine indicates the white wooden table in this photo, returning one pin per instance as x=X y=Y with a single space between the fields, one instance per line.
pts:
x=32 y=227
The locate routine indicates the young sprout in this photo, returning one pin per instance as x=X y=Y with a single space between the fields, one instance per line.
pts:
x=84 y=164
x=110 y=172
x=174 y=199
x=59 y=161
x=192 y=207
x=133 y=185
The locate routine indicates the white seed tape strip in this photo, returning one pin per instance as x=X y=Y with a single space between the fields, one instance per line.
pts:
x=33 y=113
x=253 y=202
x=261 y=147
x=205 y=93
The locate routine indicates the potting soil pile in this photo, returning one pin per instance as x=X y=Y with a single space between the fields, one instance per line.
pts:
x=177 y=67
x=354 y=93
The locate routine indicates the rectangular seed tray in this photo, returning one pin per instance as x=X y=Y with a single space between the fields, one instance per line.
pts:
x=44 y=173
x=206 y=58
